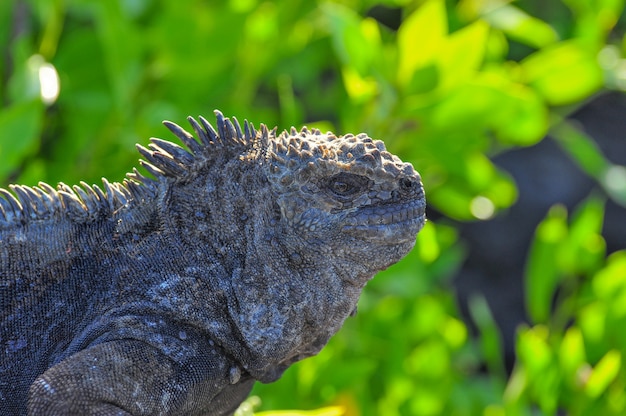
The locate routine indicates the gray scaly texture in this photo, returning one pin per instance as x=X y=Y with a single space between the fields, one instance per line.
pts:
x=171 y=295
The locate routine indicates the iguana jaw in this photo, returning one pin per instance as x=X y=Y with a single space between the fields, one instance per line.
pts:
x=392 y=223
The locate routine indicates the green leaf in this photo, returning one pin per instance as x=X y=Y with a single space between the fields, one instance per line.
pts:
x=586 y=153
x=542 y=272
x=420 y=38
x=572 y=356
x=469 y=174
x=423 y=79
x=20 y=125
x=491 y=102
x=563 y=73
x=604 y=373
x=122 y=52
x=580 y=147
x=595 y=18
x=462 y=54
x=592 y=321
x=490 y=338
x=609 y=283
x=356 y=41
x=584 y=249
x=327 y=411
x=360 y=89
x=523 y=118
x=534 y=350
x=521 y=26
x=537 y=360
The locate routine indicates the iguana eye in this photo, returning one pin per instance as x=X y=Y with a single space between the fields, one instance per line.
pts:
x=346 y=184
x=341 y=188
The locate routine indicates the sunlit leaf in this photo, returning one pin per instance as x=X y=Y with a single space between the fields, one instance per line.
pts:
x=563 y=73
x=524 y=119
x=580 y=147
x=462 y=54
x=356 y=41
x=490 y=340
x=474 y=176
x=327 y=411
x=521 y=26
x=592 y=321
x=454 y=332
x=427 y=245
x=122 y=51
x=515 y=113
x=572 y=354
x=420 y=38
x=424 y=79
x=542 y=272
x=604 y=373
x=584 y=249
x=537 y=357
x=534 y=350
x=595 y=18
x=21 y=125
x=360 y=89
x=609 y=283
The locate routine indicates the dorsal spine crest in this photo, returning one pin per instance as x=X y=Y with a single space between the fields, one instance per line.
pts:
x=162 y=159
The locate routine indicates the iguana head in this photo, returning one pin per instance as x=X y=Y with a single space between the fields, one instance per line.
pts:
x=300 y=221
x=317 y=191
x=346 y=190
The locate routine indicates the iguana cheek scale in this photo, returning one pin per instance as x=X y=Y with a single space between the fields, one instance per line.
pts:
x=244 y=253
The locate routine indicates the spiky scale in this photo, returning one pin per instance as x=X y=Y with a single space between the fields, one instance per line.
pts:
x=41 y=201
x=177 y=152
x=183 y=135
x=210 y=130
x=135 y=189
x=110 y=193
x=194 y=146
x=232 y=131
x=119 y=198
x=156 y=172
x=24 y=200
x=220 y=123
x=249 y=130
x=52 y=194
x=72 y=203
x=169 y=166
x=122 y=189
x=64 y=187
x=14 y=204
x=292 y=152
x=147 y=153
x=238 y=131
x=89 y=201
x=37 y=201
x=6 y=210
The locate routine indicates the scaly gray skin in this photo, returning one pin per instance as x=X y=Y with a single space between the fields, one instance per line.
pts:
x=172 y=295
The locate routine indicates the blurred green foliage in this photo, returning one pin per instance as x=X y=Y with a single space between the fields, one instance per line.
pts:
x=447 y=85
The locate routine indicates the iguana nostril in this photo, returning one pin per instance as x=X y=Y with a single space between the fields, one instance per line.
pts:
x=407 y=184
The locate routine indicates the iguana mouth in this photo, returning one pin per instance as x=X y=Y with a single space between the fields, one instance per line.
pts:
x=394 y=221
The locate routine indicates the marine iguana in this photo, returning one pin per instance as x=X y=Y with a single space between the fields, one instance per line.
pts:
x=171 y=295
